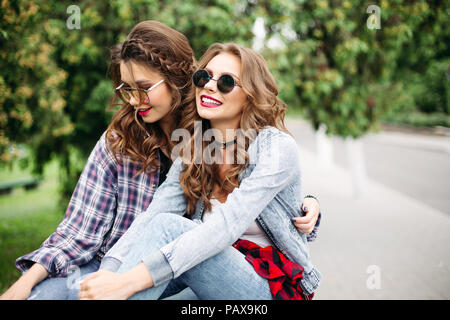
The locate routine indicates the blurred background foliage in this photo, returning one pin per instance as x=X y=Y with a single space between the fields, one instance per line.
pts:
x=330 y=66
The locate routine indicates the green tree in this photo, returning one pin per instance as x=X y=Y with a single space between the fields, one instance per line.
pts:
x=55 y=88
x=425 y=60
x=334 y=66
x=31 y=82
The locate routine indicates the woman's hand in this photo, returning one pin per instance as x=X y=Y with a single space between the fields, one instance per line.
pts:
x=106 y=285
x=306 y=224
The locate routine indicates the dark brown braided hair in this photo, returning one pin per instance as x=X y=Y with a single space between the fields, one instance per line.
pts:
x=166 y=50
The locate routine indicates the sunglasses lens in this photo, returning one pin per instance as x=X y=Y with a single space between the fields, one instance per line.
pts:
x=200 y=78
x=143 y=98
x=225 y=83
x=127 y=93
x=124 y=95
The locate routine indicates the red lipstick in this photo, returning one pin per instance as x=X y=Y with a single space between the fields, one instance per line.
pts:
x=209 y=102
x=144 y=112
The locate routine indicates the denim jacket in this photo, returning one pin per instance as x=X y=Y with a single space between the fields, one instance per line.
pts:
x=268 y=192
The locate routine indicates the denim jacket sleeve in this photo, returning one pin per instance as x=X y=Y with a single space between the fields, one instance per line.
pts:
x=168 y=198
x=274 y=170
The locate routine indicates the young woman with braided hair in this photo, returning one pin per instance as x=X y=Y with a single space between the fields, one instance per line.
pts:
x=151 y=71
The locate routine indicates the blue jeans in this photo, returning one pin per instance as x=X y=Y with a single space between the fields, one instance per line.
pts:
x=64 y=288
x=224 y=276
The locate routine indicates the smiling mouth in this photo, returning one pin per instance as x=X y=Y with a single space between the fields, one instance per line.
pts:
x=209 y=102
x=144 y=112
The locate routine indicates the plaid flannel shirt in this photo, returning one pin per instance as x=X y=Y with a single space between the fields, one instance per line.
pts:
x=106 y=200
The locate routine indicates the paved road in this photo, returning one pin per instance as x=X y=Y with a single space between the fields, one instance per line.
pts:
x=415 y=165
x=392 y=242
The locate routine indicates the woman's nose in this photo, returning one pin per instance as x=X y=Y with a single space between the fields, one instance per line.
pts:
x=134 y=101
x=211 y=85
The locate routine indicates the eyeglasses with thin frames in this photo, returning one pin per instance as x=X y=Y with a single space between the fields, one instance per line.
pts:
x=141 y=95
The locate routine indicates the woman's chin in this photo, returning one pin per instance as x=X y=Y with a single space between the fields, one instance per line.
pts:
x=208 y=113
x=148 y=119
x=151 y=118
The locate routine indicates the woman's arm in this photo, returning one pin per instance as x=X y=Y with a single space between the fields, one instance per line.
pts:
x=74 y=242
x=21 y=289
x=88 y=218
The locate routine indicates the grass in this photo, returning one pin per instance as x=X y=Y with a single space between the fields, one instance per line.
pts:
x=27 y=218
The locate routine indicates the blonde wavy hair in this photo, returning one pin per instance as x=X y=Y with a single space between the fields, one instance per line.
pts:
x=262 y=108
x=153 y=44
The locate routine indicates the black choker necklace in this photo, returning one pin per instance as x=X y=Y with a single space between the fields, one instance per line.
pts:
x=223 y=145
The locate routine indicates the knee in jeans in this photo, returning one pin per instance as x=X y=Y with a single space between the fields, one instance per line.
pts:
x=170 y=223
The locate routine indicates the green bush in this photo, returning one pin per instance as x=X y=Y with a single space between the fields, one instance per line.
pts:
x=433 y=88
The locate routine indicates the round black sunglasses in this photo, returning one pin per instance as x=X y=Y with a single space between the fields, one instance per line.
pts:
x=225 y=83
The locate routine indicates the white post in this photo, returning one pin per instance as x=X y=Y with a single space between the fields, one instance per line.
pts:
x=324 y=148
x=259 y=34
x=357 y=166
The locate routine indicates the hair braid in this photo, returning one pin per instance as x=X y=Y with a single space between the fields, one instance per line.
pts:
x=158 y=46
x=137 y=47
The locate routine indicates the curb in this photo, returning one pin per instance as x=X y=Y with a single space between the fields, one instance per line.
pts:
x=434 y=131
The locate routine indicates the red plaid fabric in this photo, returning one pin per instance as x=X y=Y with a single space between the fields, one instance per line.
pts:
x=283 y=275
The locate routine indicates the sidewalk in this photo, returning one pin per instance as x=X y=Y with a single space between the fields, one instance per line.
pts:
x=382 y=235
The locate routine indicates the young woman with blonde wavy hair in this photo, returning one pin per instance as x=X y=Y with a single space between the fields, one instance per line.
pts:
x=151 y=71
x=238 y=241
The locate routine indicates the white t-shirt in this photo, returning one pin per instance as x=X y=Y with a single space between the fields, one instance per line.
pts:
x=254 y=233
